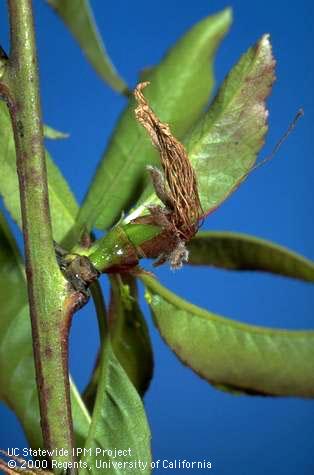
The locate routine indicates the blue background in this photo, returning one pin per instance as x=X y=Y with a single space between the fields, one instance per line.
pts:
x=189 y=419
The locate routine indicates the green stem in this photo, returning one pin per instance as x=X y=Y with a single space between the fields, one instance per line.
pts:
x=51 y=305
x=122 y=247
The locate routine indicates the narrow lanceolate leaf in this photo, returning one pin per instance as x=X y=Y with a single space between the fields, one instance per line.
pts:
x=78 y=17
x=180 y=88
x=237 y=251
x=17 y=373
x=119 y=422
x=233 y=355
x=224 y=144
x=130 y=337
x=62 y=203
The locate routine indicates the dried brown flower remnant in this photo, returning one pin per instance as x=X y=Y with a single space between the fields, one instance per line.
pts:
x=179 y=193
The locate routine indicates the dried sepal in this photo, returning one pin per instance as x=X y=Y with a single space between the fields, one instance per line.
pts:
x=160 y=186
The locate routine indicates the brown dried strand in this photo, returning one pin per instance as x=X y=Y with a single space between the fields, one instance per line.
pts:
x=177 y=167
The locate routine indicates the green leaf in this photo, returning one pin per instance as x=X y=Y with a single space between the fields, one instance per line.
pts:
x=179 y=91
x=118 y=421
x=237 y=251
x=17 y=373
x=237 y=356
x=223 y=145
x=54 y=134
x=78 y=17
x=11 y=274
x=62 y=202
x=130 y=337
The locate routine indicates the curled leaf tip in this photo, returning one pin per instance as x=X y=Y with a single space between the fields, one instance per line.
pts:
x=176 y=185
